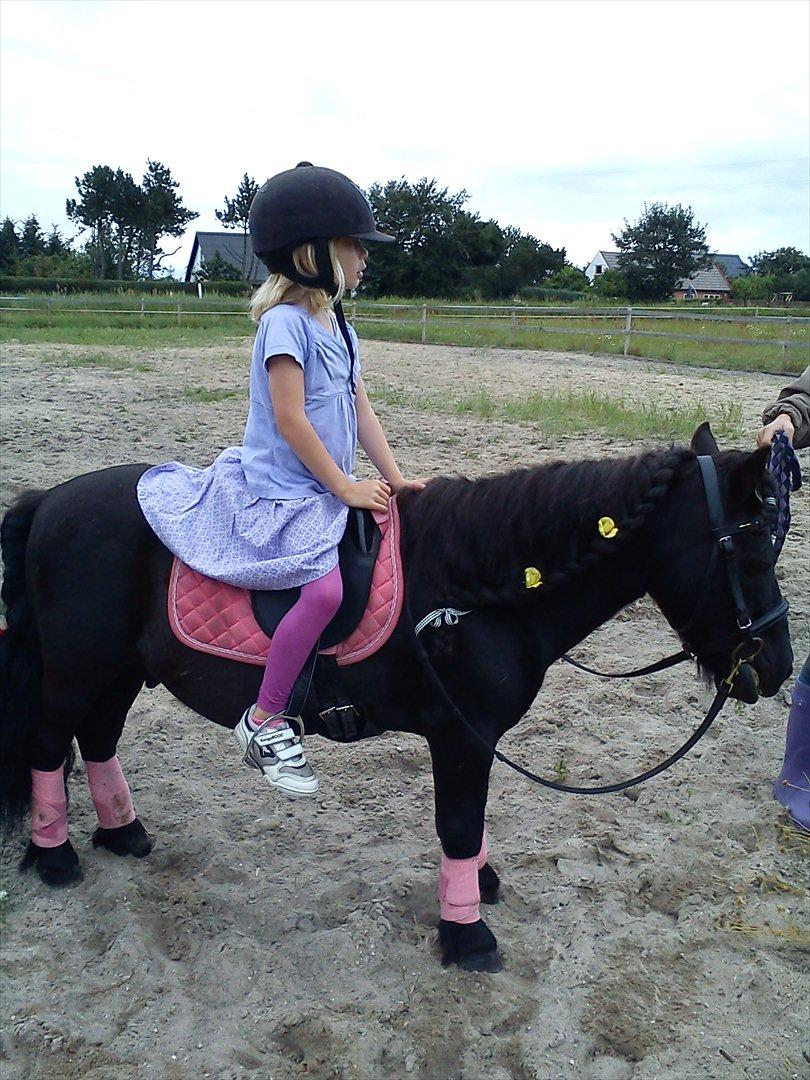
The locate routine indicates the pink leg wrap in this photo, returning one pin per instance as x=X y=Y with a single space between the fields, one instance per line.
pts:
x=459 y=895
x=110 y=791
x=48 y=808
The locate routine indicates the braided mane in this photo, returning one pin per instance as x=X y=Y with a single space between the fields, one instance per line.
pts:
x=472 y=539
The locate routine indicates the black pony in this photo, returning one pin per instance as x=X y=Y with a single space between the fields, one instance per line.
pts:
x=540 y=557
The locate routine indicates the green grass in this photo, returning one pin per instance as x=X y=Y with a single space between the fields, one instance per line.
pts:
x=97 y=360
x=716 y=354
x=575 y=413
x=135 y=337
x=204 y=396
x=214 y=320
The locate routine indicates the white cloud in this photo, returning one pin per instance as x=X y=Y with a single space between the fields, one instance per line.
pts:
x=497 y=97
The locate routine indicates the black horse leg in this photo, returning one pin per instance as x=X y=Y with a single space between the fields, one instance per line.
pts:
x=61 y=712
x=461 y=780
x=98 y=739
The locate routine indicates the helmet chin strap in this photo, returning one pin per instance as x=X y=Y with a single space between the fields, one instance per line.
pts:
x=281 y=262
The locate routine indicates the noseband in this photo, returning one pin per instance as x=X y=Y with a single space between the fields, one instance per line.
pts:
x=744 y=641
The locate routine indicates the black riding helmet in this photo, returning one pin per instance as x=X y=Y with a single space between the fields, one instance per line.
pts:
x=308 y=204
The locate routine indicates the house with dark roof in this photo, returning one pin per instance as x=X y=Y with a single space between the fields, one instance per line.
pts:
x=233 y=247
x=732 y=266
x=711 y=284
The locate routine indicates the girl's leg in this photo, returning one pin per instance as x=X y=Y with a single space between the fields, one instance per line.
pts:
x=268 y=741
x=294 y=640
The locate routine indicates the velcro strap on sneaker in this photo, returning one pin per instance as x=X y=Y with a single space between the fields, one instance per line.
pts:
x=287 y=753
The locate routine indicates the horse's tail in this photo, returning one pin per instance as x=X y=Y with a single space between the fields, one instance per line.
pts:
x=20 y=663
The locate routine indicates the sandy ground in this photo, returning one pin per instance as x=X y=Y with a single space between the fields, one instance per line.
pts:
x=273 y=938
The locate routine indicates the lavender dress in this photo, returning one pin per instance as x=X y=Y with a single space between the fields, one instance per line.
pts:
x=257 y=517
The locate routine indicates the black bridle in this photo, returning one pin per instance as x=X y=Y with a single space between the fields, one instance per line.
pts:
x=744 y=640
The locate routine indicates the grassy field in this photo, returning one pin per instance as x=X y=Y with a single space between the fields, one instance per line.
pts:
x=575 y=413
x=144 y=321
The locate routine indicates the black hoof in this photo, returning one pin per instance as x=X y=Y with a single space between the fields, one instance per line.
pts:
x=132 y=839
x=472 y=946
x=57 y=866
x=489 y=885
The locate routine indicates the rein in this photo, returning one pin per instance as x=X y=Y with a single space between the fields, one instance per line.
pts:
x=747 y=647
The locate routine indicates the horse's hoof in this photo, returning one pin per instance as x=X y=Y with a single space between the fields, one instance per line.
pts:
x=489 y=885
x=132 y=839
x=472 y=946
x=58 y=866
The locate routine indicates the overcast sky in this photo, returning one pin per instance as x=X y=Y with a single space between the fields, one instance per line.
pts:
x=561 y=118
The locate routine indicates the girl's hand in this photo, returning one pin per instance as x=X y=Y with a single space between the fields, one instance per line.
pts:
x=367 y=495
x=408 y=485
x=781 y=423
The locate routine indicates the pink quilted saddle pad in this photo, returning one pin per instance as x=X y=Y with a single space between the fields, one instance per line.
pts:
x=216 y=618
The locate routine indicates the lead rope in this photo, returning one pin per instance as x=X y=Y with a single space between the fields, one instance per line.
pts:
x=783 y=465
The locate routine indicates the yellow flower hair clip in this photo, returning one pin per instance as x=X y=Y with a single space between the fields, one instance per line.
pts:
x=533 y=577
x=608 y=528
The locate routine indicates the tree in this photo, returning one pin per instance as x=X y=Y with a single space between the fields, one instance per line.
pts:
x=612 y=284
x=218 y=269
x=525 y=261
x=55 y=245
x=568 y=277
x=429 y=258
x=444 y=250
x=9 y=247
x=93 y=211
x=127 y=220
x=236 y=214
x=753 y=287
x=162 y=214
x=663 y=247
x=780 y=263
x=32 y=242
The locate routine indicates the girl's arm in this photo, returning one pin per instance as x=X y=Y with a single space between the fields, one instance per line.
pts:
x=286 y=380
x=372 y=439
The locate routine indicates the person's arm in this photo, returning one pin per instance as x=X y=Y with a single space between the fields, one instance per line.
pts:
x=372 y=438
x=286 y=380
x=789 y=413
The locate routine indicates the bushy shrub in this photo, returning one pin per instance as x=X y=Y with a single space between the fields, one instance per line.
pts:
x=544 y=292
x=92 y=285
x=159 y=287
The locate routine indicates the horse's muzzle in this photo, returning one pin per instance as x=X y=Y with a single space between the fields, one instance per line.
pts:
x=746 y=685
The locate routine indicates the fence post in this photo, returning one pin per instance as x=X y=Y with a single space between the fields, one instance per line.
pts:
x=48 y=302
x=354 y=312
x=628 y=329
x=424 y=323
x=178 y=314
x=512 y=326
x=785 y=340
x=142 y=310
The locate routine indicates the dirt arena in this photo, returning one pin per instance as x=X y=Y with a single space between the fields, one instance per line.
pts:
x=651 y=936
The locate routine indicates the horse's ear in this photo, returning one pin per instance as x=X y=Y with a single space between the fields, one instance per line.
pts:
x=747 y=473
x=703 y=442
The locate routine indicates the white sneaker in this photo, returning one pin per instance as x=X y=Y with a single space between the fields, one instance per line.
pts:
x=277 y=752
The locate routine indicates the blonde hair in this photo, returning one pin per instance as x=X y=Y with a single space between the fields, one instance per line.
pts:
x=279 y=289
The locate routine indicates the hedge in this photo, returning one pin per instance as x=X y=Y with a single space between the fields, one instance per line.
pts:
x=12 y=285
x=541 y=292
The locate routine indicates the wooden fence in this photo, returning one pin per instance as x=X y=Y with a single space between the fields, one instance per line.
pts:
x=419 y=318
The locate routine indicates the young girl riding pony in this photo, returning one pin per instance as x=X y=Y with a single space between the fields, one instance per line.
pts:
x=270 y=514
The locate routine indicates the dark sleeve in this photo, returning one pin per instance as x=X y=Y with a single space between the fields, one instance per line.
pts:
x=794 y=401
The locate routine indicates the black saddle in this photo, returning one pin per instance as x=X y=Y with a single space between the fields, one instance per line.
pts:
x=357 y=554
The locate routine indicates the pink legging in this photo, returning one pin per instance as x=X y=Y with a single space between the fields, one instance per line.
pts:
x=295 y=638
